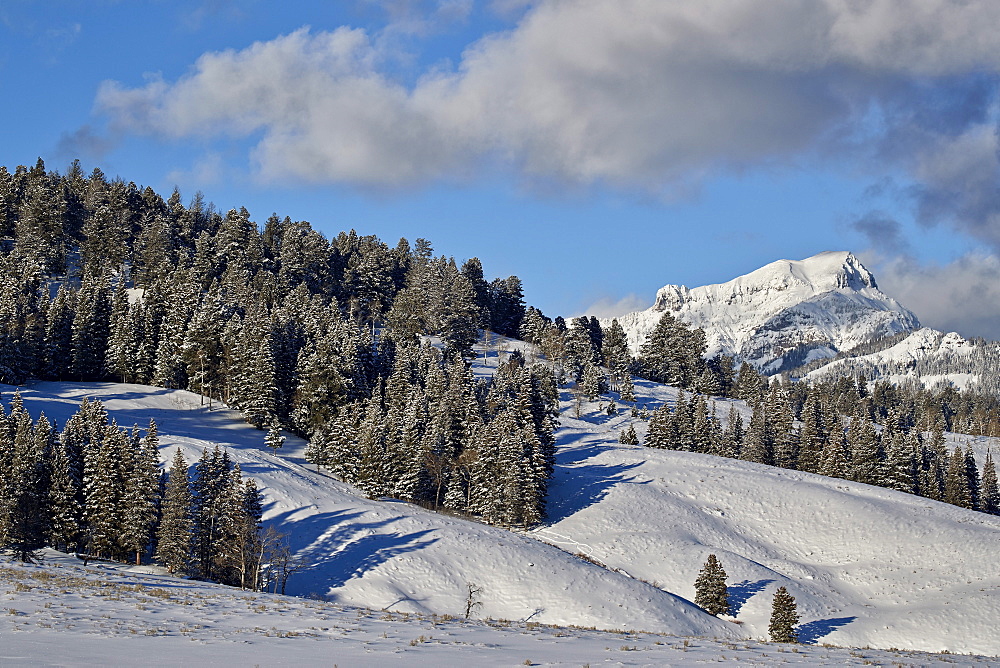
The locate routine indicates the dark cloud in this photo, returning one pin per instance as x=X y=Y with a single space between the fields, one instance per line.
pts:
x=884 y=233
x=84 y=143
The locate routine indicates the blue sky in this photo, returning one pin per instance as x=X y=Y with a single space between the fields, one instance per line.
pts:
x=597 y=150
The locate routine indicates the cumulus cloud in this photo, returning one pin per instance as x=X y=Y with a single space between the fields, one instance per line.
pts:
x=962 y=296
x=636 y=94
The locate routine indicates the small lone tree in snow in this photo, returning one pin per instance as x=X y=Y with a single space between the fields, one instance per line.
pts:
x=628 y=436
x=274 y=439
x=710 y=593
x=784 y=617
x=472 y=600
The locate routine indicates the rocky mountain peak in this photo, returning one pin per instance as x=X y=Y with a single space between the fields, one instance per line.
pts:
x=784 y=313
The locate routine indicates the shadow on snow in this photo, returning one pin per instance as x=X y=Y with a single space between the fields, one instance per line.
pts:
x=339 y=548
x=810 y=632
x=741 y=592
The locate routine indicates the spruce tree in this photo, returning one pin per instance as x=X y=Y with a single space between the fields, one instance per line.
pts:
x=174 y=536
x=628 y=436
x=989 y=497
x=711 y=594
x=784 y=617
x=274 y=438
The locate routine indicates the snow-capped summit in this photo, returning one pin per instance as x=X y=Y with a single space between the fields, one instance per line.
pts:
x=784 y=314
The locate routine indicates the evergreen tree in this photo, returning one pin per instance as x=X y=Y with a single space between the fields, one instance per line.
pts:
x=173 y=537
x=141 y=494
x=956 y=482
x=628 y=436
x=672 y=353
x=274 y=439
x=65 y=511
x=711 y=594
x=989 y=497
x=865 y=448
x=784 y=617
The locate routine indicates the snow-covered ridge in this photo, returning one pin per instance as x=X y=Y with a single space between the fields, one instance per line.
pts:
x=783 y=314
x=925 y=355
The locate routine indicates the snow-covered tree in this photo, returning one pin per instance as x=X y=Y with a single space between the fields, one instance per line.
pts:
x=711 y=594
x=784 y=617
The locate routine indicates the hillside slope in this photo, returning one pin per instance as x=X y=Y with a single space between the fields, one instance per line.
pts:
x=868 y=566
x=386 y=554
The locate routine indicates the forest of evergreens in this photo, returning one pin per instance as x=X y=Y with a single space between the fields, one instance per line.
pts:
x=363 y=349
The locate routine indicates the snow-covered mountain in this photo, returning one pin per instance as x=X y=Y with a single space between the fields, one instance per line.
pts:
x=784 y=314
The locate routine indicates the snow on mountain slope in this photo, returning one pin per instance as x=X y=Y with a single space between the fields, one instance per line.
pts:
x=868 y=566
x=925 y=347
x=386 y=554
x=783 y=314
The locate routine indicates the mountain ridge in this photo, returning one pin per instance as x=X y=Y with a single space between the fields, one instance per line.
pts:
x=784 y=314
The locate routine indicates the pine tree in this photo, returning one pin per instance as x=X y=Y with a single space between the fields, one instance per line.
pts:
x=989 y=497
x=274 y=438
x=784 y=617
x=141 y=494
x=628 y=436
x=866 y=451
x=66 y=514
x=758 y=442
x=174 y=535
x=711 y=594
x=956 y=481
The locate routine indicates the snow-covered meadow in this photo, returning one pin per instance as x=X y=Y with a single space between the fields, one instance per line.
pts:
x=868 y=566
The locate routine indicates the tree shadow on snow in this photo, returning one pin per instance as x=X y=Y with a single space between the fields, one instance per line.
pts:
x=742 y=592
x=581 y=486
x=810 y=632
x=338 y=548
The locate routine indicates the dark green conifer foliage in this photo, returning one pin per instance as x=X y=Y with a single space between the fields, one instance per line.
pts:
x=812 y=435
x=758 y=442
x=731 y=440
x=141 y=494
x=65 y=512
x=865 y=448
x=956 y=483
x=989 y=498
x=628 y=436
x=784 y=617
x=711 y=594
x=658 y=434
x=673 y=353
x=174 y=535
x=274 y=439
x=91 y=328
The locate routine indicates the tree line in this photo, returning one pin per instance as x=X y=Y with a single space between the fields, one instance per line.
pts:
x=96 y=489
x=908 y=456
x=106 y=280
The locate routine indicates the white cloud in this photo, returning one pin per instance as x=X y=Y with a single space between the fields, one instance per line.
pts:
x=607 y=307
x=638 y=94
x=962 y=296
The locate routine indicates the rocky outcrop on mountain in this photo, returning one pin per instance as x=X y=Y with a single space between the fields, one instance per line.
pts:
x=784 y=314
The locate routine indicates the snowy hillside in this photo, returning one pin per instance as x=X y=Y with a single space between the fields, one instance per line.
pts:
x=64 y=614
x=925 y=355
x=387 y=554
x=783 y=314
x=868 y=566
